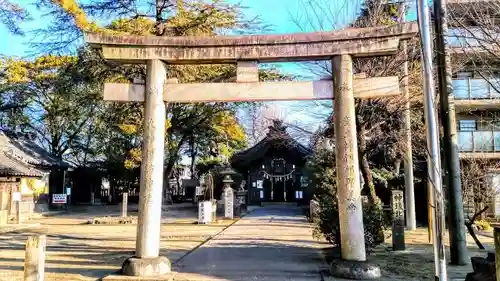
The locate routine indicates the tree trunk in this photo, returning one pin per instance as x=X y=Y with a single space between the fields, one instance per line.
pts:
x=365 y=165
x=469 y=224
x=193 y=156
x=473 y=234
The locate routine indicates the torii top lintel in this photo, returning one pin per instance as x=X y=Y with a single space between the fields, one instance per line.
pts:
x=358 y=42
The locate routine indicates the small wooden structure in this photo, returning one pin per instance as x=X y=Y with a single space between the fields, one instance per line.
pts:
x=274 y=168
x=27 y=168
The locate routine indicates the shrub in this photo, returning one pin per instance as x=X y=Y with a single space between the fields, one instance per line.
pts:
x=327 y=225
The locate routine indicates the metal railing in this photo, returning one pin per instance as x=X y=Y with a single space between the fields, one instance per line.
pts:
x=473 y=89
x=479 y=141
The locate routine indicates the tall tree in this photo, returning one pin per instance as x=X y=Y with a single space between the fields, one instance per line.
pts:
x=11 y=15
x=55 y=100
x=159 y=18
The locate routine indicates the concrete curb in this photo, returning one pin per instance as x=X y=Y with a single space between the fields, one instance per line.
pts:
x=52 y=213
x=13 y=227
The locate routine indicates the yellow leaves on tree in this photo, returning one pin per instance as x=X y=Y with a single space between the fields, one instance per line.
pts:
x=132 y=129
x=128 y=129
x=138 y=26
x=133 y=159
x=232 y=135
x=79 y=16
x=168 y=124
x=208 y=18
x=15 y=71
x=197 y=19
x=44 y=67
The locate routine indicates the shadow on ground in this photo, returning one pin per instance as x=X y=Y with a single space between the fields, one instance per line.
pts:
x=90 y=252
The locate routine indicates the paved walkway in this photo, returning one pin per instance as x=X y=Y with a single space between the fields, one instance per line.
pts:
x=271 y=243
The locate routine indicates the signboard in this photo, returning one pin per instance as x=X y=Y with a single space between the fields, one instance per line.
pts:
x=397 y=205
x=398 y=225
x=59 y=198
x=68 y=190
x=205 y=212
x=16 y=196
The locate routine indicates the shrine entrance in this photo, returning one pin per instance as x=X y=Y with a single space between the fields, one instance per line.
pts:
x=279 y=179
x=339 y=47
x=279 y=182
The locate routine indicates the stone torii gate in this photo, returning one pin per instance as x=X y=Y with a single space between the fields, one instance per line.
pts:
x=246 y=52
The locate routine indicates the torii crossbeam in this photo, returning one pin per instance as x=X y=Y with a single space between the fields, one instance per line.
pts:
x=246 y=51
x=252 y=91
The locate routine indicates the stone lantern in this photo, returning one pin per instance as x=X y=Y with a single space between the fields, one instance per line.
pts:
x=228 y=193
x=238 y=198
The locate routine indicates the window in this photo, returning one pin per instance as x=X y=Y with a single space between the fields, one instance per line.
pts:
x=464 y=75
x=467 y=125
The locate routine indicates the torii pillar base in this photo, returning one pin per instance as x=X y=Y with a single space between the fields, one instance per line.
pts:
x=354 y=270
x=146 y=267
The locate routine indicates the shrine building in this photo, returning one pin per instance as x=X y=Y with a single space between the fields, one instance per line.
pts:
x=274 y=168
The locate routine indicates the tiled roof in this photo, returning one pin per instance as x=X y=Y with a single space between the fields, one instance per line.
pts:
x=20 y=156
x=276 y=138
x=11 y=167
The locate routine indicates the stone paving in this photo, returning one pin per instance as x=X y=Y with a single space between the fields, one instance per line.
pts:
x=271 y=243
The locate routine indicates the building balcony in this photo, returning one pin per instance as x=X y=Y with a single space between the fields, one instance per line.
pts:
x=479 y=144
x=474 y=45
x=475 y=94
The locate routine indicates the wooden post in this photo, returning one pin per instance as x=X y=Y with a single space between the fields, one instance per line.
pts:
x=398 y=220
x=18 y=212
x=34 y=262
x=124 y=204
x=429 y=214
x=497 y=251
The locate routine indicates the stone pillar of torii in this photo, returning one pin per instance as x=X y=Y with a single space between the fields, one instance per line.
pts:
x=246 y=52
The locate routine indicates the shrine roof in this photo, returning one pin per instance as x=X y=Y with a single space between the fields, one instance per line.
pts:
x=21 y=156
x=276 y=138
x=372 y=41
x=11 y=167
